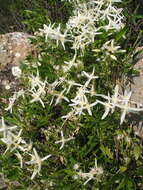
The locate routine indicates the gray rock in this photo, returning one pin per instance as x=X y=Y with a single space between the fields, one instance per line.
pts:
x=14 y=47
x=136 y=84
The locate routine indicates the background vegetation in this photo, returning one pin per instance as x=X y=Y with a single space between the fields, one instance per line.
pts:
x=13 y=13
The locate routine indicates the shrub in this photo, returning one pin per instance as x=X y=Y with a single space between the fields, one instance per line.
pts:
x=67 y=126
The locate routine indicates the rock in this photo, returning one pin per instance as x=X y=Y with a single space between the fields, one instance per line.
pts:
x=14 y=47
x=136 y=84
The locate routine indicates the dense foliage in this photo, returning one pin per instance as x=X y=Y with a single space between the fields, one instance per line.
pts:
x=14 y=14
x=68 y=124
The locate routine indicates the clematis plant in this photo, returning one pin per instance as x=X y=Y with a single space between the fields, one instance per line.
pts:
x=72 y=87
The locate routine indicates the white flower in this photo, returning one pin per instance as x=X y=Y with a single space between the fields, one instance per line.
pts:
x=113 y=100
x=37 y=88
x=20 y=159
x=83 y=25
x=13 y=141
x=58 y=36
x=54 y=34
x=80 y=105
x=76 y=167
x=89 y=76
x=37 y=94
x=28 y=147
x=69 y=64
x=109 y=45
x=17 y=54
x=89 y=106
x=37 y=162
x=95 y=171
x=115 y=97
x=16 y=71
x=125 y=107
x=114 y=24
x=71 y=83
x=119 y=101
x=4 y=128
x=13 y=99
x=11 y=102
x=60 y=96
x=69 y=116
x=47 y=30
x=110 y=49
x=108 y=106
x=63 y=140
x=35 y=81
x=80 y=102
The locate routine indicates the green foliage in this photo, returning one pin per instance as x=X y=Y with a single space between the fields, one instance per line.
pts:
x=35 y=19
x=115 y=147
x=28 y=16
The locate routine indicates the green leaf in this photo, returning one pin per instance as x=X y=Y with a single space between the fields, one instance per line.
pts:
x=106 y=151
x=123 y=169
x=120 y=35
x=137 y=152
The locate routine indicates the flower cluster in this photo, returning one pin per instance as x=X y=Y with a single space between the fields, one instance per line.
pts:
x=13 y=99
x=37 y=89
x=54 y=34
x=84 y=25
x=81 y=30
x=11 y=137
x=120 y=101
x=94 y=173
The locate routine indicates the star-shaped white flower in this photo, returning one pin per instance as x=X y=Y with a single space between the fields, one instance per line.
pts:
x=37 y=162
x=114 y=99
x=37 y=95
x=63 y=140
x=35 y=81
x=89 y=106
x=13 y=99
x=61 y=96
x=14 y=142
x=125 y=107
x=18 y=155
x=94 y=172
x=90 y=77
x=4 y=128
x=71 y=83
x=47 y=30
x=108 y=106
